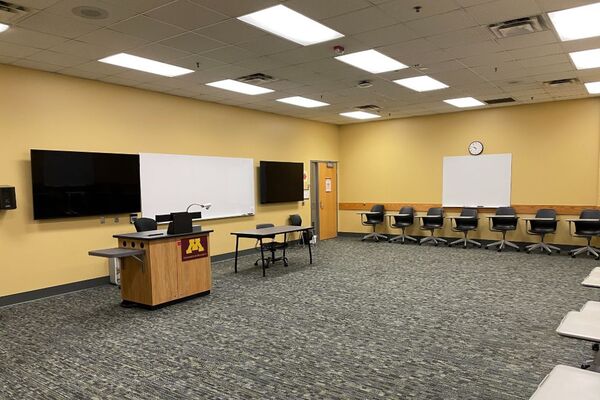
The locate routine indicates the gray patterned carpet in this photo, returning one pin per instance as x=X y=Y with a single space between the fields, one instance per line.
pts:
x=367 y=320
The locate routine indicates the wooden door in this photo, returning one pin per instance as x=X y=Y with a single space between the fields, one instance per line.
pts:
x=327 y=173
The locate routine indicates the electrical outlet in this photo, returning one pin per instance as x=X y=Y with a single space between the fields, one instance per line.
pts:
x=116 y=220
x=102 y=220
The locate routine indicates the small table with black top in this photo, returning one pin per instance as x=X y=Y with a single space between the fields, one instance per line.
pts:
x=260 y=234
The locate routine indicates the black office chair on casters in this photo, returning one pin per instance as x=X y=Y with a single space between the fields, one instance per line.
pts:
x=467 y=221
x=587 y=226
x=373 y=218
x=145 y=224
x=305 y=237
x=405 y=219
x=430 y=222
x=270 y=246
x=505 y=220
x=543 y=224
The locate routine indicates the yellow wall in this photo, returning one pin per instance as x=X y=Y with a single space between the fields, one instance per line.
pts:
x=50 y=111
x=555 y=148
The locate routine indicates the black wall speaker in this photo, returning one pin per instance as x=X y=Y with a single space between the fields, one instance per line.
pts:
x=8 y=199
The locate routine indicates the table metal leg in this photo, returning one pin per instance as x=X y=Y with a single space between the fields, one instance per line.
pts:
x=285 y=262
x=262 y=256
x=309 y=251
x=237 y=242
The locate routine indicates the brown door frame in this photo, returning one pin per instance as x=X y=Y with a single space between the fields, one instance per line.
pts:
x=314 y=194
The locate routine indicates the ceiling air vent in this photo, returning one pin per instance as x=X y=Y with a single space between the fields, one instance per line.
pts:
x=561 y=82
x=256 y=79
x=369 y=107
x=516 y=27
x=500 y=101
x=11 y=13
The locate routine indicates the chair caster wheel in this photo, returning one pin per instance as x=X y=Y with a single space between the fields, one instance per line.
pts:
x=464 y=247
x=572 y=256
x=518 y=250
x=528 y=251
x=449 y=245
x=558 y=252
x=585 y=366
x=595 y=347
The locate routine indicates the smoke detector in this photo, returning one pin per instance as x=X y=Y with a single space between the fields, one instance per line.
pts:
x=516 y=27
x=364 y=84
x=256 y=79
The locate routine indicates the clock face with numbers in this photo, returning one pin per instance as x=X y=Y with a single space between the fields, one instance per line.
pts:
x=476 y=148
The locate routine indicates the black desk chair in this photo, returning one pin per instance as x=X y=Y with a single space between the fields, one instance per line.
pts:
x=145 y=224
x=271 y=246
x=305 y=237
x=403 y=222
x=542 y=228
x=374 y=218
x=467 y=221
x=587 y=229
x=505 y=220
x=430 y=222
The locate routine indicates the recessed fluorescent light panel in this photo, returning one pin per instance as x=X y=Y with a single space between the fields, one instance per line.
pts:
x=291 y=25
x=240 y=87
x=577 y=23
x=302 y=102
x=360 y=115
x=3 y=27
x=372 y=61
x=586 y=59
x=593 y=87
x=421 y=83
x=146 y=65
x=464 y=102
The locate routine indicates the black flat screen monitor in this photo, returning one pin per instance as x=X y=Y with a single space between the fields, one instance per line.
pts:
x=77 y=184
x=281 y=182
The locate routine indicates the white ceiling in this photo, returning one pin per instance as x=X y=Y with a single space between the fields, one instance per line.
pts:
x=448 y=37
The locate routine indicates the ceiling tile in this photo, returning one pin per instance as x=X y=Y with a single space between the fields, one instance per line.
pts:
x=26 y=37
x=37 y=4
x=192 y=43
x=16 y=50
x=405 y=10
x=236 y=8
x=82 y=49
x=535 y=51
x=116 y=11
x=452 y=21
x=147 y=28
x=81 y=73
x=359 y=21
x=232 y=31
x=462 y=37
x=503 y=10
x=56 y=25
x=529 y=40
x=112 y=39
x=268 y=45
x=385 y=36
x=23 y=62
x=159 y=52
x=319 y=9
x=229 y=54
x=197 y=63
x=51 y=57
x=186 y=14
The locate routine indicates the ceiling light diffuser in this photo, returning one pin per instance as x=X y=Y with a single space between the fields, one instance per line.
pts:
x=464 y=102
x=145 y=65
x=578 y=22
x=291 y=25
x=593 y=87
x=421 y=83
x=302 y=102
x=240 y=87
x=586 y=59
x=360 y=115
x=372 y=61
x=3 y=27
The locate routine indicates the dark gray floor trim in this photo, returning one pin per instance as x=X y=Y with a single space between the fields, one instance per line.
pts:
x=52 y=291
x=75 y=286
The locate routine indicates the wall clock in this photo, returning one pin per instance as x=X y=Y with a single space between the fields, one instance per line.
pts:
x=476 y=148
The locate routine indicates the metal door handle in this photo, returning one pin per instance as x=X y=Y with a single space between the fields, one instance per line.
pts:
x=321 y=204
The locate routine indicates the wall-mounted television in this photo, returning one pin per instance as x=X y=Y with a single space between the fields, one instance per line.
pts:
x=77 y=184
x=281 y=182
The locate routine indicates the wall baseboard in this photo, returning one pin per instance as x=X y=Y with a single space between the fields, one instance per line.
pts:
x=90 y=283
x=51 y=291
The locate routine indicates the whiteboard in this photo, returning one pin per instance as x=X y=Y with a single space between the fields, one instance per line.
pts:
x=472 y=181
x=170 y=183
